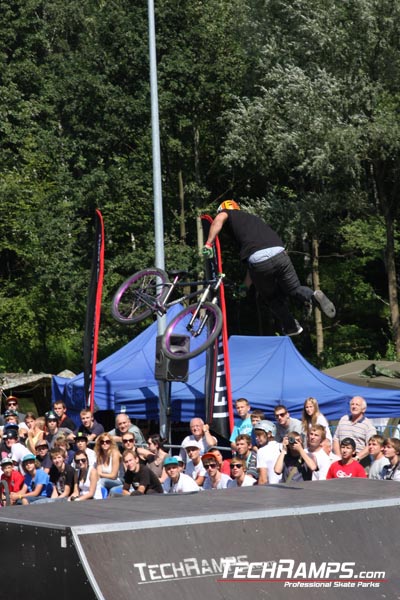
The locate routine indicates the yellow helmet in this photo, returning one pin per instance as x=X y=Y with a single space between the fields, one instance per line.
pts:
x=228 y=205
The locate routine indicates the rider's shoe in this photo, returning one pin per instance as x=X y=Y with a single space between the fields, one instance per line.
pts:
x=324 y=304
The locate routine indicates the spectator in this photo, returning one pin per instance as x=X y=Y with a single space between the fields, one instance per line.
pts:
x=312 y=416
x=391 y=451
x=14 y=479
x=194 y=466
x=81 y=444
x=138 y=478
x=14 y=448
x=224 y=463
x=285 y=423
x=243 y=424
x=108 y=460
x=256 y=416
x=12 y=403
x=200 y=432
x=347 y=466
x=294 y=463
x=123 y=424
x=244 y=451
x=327 y=447
x=62 y=475
x=155 y=460
x=177 y=482
x=60 y=409
x=53 y=428
x=43 y=456
x=11 y=418
x=62 y=442
x=268 y=452
x=35 y=434
x=89 y=426
x=214 y=479
x=377 y=457
x=87 y=484
x=238 y=474
x=316 y=435
x=36 y=485
x=357 y=427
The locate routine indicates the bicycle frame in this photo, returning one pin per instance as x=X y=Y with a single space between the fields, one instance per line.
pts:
x=213 y=285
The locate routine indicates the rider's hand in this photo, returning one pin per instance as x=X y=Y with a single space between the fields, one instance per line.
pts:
x=207 y=251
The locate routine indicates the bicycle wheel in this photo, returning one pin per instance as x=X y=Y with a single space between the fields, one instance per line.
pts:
x=179 y=327
x=137 y=297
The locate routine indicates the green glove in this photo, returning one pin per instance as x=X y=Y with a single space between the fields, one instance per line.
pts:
x=207 y=251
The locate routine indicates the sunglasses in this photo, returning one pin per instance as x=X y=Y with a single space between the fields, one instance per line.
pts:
x=11 y=404
x=210 y=466
x=280 y=415
x=80 y=460
x=41 y=447
x=105 y=442
x=237 y=465
x=127 y=440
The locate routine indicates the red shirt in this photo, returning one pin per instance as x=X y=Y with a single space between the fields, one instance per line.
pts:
x=338 y=470
x=15 y=481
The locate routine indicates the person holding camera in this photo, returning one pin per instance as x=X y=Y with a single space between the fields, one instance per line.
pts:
x=294 y=463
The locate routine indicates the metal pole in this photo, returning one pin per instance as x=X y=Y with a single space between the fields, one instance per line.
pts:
x=163 y=387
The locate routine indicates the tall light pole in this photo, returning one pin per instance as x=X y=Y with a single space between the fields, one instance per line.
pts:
x=164 y=387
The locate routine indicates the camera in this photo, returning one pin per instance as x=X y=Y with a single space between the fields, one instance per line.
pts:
x=292 y=440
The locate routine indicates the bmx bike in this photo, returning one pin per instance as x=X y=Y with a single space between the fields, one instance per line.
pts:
x=150 y=292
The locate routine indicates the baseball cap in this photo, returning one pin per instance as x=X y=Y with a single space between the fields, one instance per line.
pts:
x=81 y=435
x=192 y=444
x=28 y=457
x=51 y=416
x=41 y=443
x=267 y=426
x=348 y=442
x=11 y=426
x=10 y=434
x=6 y=461
x=171 y=460
x=11 y=399
x=208 y=456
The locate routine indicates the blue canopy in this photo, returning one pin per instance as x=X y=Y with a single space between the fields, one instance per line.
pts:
x=265 y=370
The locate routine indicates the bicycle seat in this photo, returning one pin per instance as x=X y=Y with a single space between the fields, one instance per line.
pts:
x=178 y=273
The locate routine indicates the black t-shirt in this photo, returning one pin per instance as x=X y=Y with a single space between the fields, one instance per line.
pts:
x=251 y=233
x=60 y=480
x=296 y=464
x=144 y=477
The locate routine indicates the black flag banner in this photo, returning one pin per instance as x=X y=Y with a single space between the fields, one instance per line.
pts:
x=219 y=411
x=92 y=323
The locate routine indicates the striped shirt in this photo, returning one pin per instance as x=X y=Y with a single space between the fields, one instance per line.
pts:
x=360 y=431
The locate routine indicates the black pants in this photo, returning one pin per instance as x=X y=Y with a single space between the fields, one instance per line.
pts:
x=275 y=280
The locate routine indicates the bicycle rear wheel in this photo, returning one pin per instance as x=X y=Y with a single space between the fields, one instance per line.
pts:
x=138 y=296
x=210 y=313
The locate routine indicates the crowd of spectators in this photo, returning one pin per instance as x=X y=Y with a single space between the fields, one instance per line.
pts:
x=49 y=458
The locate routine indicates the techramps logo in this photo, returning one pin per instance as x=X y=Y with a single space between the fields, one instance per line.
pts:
x=293 y=574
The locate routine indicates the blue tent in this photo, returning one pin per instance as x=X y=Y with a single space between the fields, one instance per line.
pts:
x=265 y=370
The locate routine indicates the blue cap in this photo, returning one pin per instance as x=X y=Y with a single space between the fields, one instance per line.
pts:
x=28 y=457
x=171 y=460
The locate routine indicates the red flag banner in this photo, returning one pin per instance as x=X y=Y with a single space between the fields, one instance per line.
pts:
x=219 y=408
x=93 y=309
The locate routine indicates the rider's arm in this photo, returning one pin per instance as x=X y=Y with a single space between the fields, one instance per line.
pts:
x=216 y=227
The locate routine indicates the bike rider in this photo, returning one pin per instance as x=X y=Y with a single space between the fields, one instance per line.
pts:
x=269 y=266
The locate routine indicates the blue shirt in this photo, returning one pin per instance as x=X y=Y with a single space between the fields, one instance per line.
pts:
x=42 y=478
x=241 y=426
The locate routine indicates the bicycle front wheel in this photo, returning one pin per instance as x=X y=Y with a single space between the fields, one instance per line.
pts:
x=202 y=333
x=138 y=296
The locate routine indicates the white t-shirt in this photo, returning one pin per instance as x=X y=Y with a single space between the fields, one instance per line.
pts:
x=376 y=467
x=201 y=441
x=323 y=463
x=222 y=483
x=248 y=480
x=185 y=483
x=266 y=459
x=195 y=470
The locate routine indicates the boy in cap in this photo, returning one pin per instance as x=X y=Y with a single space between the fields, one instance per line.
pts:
x=347 y=466
x=13 y=448
x=177 y=482
x=14 y=479
x=194 y=466
x=36 y=486
x=267 y=453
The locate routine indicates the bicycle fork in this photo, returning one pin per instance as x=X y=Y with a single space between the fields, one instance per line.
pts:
x=203 y=298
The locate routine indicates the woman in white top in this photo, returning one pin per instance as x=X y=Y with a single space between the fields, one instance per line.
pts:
x=87 y=485
x=312 y=416
x=108 y=461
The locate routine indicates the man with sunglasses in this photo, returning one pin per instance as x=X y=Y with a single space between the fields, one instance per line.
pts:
x=285 y=423
x=11 y=403
x=238 y=474
x=214 y=479
x=123 y=424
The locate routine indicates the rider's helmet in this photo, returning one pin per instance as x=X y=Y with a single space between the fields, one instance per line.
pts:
x=228 y=205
